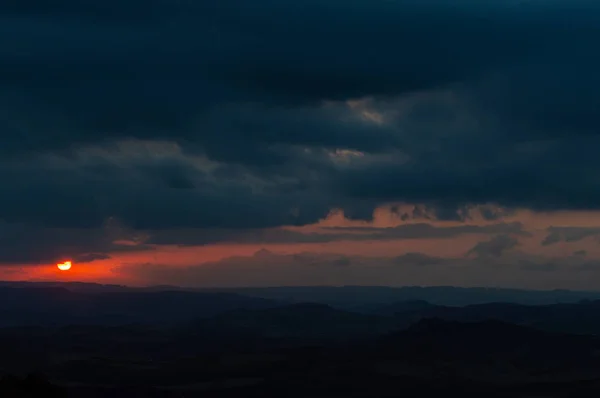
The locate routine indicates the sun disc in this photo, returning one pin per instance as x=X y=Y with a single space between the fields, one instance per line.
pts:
x=64 y=266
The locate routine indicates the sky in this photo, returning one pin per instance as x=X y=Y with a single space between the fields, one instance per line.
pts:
x=271 y=142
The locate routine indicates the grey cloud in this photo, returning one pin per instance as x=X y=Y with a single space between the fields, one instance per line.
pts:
x=90 y=257
x=569 y=234
x=494 y=247
x=26 y=244
x=327 y=234
x=425 y=230
x=144 y=194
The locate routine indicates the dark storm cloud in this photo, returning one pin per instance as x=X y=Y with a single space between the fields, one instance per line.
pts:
x=78 y=72
x=144 y=194
x=27 y=244
x=479 y=102
x=485 y=165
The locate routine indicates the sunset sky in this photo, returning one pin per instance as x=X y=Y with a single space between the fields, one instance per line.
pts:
x=276 y=142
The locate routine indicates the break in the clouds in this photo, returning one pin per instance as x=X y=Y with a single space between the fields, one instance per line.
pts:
x=197 y=122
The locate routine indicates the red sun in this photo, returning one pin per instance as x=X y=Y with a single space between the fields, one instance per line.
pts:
x=64 y=266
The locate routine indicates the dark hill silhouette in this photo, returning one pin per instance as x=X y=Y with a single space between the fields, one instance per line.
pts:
x=60 y=306
x=577 y=318
x=305 y=350
x=434 y=338
x=306 y=320
x=400 y=307
x=351 y=296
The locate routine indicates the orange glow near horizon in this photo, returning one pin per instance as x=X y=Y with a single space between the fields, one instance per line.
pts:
x=117 y=266
x=64 y=266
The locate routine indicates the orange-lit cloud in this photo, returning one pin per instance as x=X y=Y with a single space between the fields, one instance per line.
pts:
x=370 y=243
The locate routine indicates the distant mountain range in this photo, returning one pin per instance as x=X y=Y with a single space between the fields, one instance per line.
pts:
x=357 y=297
x=97 y=340
x=279 y=315
x=40 y=305
x=353 y=296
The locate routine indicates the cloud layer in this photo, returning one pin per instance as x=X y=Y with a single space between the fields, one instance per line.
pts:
x=199 y=122
x=265 y=269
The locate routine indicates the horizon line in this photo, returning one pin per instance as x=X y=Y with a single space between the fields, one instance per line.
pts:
x=296 y=286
